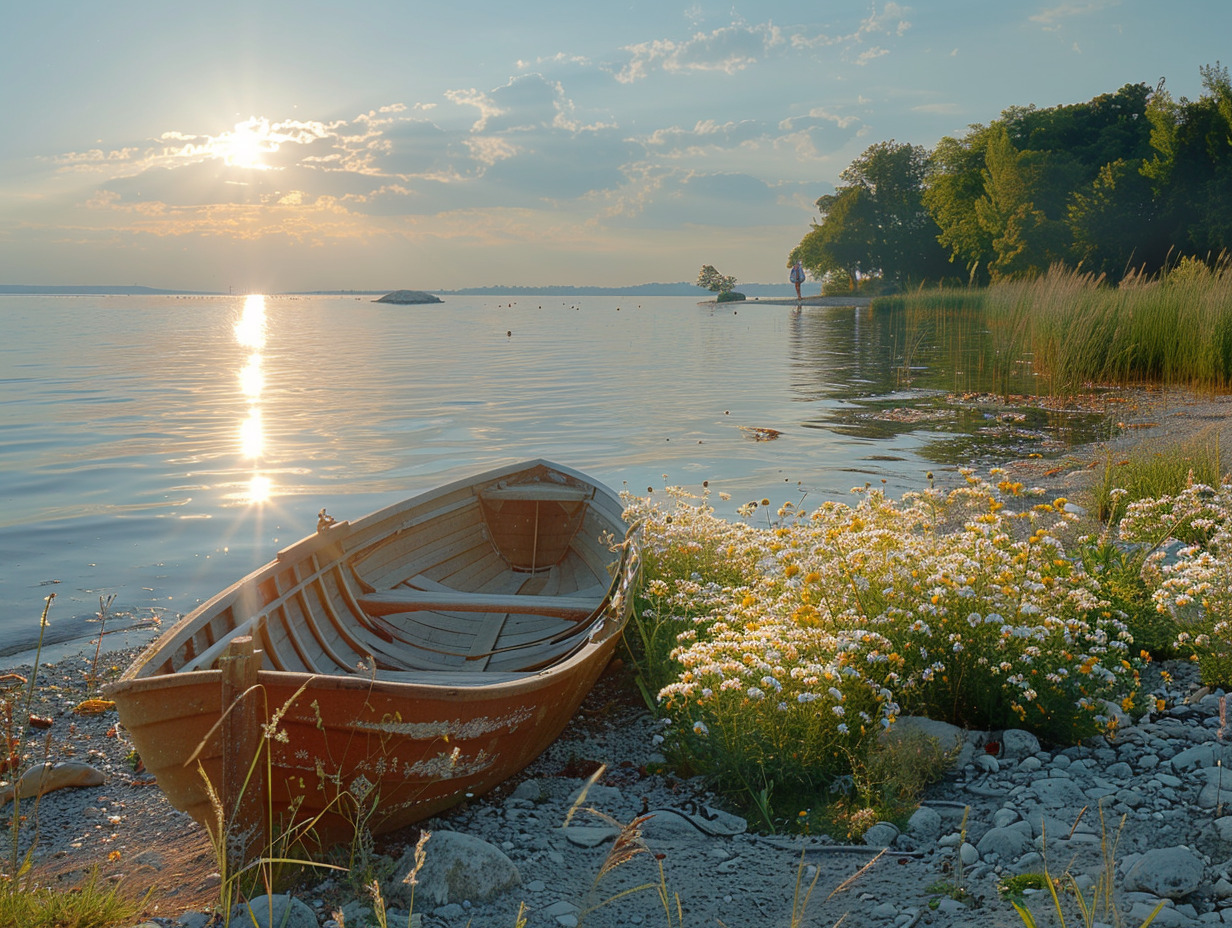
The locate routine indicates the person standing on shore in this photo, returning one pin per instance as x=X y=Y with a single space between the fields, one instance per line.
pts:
x=797 y=277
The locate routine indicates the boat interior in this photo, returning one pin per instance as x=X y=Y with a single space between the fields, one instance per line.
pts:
x=469 y=585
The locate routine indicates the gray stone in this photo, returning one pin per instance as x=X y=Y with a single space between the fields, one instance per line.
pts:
x=1119 y=771
x=1007 y=843
x=279 y=911
x=1003 y=817
x=1223 y=826
x=603 y=798
x=717 y=822
x=949 y=737
x=1173 y=872
x=1059 y=792
x=986 y=763
x=883 y=834
x=1030 y=862
x=1203 y=755
x=1132 y=798
x=885 y=910
x=590 y=835
x=194 y=920
x=531 y=790
x=1018 y=744
x=1212 y=795
x=968 y=853
x=457 y=867
x=356 y=914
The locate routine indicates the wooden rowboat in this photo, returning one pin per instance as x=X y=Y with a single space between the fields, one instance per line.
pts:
x=418 y=655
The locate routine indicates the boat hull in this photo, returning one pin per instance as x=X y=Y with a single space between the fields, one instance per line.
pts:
x=383 y=744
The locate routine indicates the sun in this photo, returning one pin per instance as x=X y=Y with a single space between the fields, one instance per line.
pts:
x=244 y=146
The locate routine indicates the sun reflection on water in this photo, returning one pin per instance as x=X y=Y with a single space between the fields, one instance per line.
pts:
x=252 y=436
x=250 y=332
x=252 y=378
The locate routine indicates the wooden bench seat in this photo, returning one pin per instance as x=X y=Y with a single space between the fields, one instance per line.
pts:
x=405 y=600
x=538 y=491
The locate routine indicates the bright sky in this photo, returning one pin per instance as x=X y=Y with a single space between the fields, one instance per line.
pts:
x=267 y=145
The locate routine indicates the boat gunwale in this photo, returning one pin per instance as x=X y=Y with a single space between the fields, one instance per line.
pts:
x=339 y=533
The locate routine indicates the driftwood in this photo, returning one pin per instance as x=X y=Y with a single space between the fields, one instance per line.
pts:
x=46 y=777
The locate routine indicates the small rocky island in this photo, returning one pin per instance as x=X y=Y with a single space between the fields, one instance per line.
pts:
x=403 y=297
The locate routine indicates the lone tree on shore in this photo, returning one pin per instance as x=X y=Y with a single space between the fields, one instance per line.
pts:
x=714 y=281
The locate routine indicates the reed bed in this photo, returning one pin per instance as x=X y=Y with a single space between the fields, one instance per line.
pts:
x=1174 y=329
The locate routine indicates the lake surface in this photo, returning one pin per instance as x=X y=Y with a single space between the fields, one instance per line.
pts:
x=158 y=448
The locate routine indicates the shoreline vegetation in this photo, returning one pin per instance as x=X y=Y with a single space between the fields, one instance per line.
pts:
x=1170 y=329
x=1130 y=183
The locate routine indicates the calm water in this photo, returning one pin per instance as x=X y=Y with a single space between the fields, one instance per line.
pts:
x=158 y=448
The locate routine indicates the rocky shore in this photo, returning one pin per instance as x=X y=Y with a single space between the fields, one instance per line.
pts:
x=1154 y=798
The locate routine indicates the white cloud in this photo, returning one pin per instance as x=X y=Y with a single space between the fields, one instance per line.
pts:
x=869 y=54
x=892 y=20
x=729 y=50
x=491 y=149
x=481 y=101
x=560 y=58
x=816 y=116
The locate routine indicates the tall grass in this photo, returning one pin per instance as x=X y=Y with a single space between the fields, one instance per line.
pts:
x=94 y=903
x=1173 y=329
x=980 y=350
x=1155 y=469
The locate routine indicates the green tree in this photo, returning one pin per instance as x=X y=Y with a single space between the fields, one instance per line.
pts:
x=954 y=183
x=1191 y=167
x=714 y=281
x=842 y=242
x=1003 y=196
x=1025 y=241
x=876 y=221
x=1112 y=221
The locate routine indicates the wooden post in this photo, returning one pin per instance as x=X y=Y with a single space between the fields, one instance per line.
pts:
x=243 y=782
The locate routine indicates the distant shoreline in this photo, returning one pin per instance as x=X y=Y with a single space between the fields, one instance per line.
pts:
x=763 y=291
x=792 y=301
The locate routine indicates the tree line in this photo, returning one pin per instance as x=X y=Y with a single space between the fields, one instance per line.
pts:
x=1125 y=183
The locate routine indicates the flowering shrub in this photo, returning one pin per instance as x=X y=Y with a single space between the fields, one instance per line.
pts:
x=1195 y=588
x=812 y=634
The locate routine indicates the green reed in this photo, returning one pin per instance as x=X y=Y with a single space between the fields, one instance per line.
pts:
x=1173 y=329
x=975 y=349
